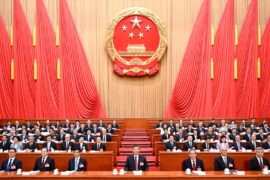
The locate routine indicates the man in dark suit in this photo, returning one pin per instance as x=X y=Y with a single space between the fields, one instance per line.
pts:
x=104 y=136
x=259 y=162
x=260 y=136
x=31 y=145
x=81 y=146
x=171 y=144
x=237 y=144
x=89 y=137
x=206 y=146
x=248 y=135
x=38 y=135
x=99 y=146
x=67 y=144
x=95 y=129
x=62 y=135
x=266 y=145
x=253 y=144
x=5 y=144
x=189 y=144
x=165 y=136
x=136 y=162
x=77 y=163
x=223 y=161
x=193 y=163
x=12 y=163
x=44 y=163
x=24 y=136
x=50 y=145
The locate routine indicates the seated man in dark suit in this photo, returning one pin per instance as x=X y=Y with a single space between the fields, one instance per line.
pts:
x=259 y=162
x=5 y=144
x=171 y=144
x=136 y=162
x=266 y=145
x=12 y=163
x=31 y=145
x=206 y=146
x=67 y=145
x=24 y=137
x=89 y=137
x=81 y=146
x=99 y=146
x=104 y=136
x=189 y=144
x=253 y=144
x=223 y=161
x=49 y=144
x=192 y=163
x=44 y=163
x=165 y=136
x=77 y=163
x=248 y=135
x=237 y=144
x=260 y=136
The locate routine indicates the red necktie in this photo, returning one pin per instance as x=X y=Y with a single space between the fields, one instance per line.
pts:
x=261 y=163
x=193 y=166
x=136 y=163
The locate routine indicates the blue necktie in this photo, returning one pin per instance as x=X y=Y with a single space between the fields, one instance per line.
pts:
x=9 y=165
x=76 y=164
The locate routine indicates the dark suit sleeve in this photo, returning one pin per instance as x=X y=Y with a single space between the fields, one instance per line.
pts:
x=36 y=165
x=146 y=168
x=104 y=147
x=85 y=165
x=202 y=165
x=216 y=165
x=70 y=165
x=18 y=164
x=127 y=164
x=252 y=165
x=52 y=165
x=184 y=165
x=2 y=166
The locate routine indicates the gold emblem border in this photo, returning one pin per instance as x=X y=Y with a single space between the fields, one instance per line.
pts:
x=136 y=11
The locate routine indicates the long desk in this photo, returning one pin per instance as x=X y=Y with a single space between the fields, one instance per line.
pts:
x=172 y=161
x=96 y=161
x=156 y=175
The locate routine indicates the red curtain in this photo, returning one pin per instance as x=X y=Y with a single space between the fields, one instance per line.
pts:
x=81 y=96
x=246 y=86
x=47 y=99
x=6 y=85
x=192 y=94
x=265 y=72
x=223 y=83
x=24 y=84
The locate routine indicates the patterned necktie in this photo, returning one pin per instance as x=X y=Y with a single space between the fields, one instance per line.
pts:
x=136 y=163
x=193 y=165
x=76 y=164
x=261 y=163
x=9 y=165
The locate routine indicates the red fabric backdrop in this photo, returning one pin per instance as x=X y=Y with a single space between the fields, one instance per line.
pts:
x=192 y=93
x=6 y=85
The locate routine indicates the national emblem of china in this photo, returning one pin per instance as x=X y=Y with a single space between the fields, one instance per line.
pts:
x=136 y=42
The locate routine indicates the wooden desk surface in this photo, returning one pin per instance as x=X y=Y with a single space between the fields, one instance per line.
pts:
x=96 y=161
x=146 y=175
x=172 y=161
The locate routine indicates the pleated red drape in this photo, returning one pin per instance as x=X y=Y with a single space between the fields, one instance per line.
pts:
x=24 y=84
x=192 y=94
x=6 y=85
x=246 y=85
x=47 y=98
x=265 y=72
x=81 y=96
x=224 y=104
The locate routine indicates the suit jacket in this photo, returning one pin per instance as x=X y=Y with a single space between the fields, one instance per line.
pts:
x=6 y=146
x=19 y=146
x=170 y=146
x=71 y=164
x=210 y=146
x=245 y=137
x=187 y=164
x=187 y=146
x=254 y=164
x=78 y=146
x=61 y=137
x=40 y=137
x=66 y=148
x=266 y=145
x=102 y=146
x=236 y=147
x=111 y=130
x=219 y=164
x=32 y=147
x=258 y=137
x=52 y=145
x=108 y=138
x=23 y=138
x=90 y=138
x=164 y=137
x=16 y=162
x=249 y=145
x=39 y=166
x=130 y=163
x=95 y=130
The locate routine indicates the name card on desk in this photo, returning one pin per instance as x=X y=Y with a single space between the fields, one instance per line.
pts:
x=137 y=173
